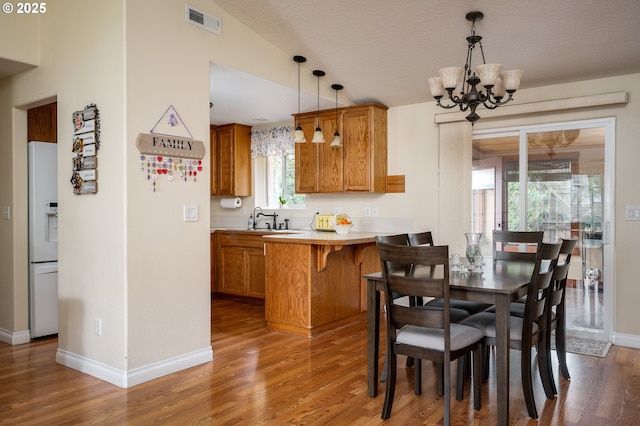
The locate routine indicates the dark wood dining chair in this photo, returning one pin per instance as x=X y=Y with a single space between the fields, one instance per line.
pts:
x=403 y=240
x=554 y=319
x=424 y=333
x=426 y=238
x=516 y=245
x=464 y=365
x=457 y=315
x=527 y=331
x=555 y=316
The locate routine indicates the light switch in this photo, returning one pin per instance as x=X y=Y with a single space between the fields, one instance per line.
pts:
x=190 y=213
x=633 y=213
x=6 y=213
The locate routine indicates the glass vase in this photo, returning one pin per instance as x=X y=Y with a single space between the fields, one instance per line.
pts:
x=473 y=253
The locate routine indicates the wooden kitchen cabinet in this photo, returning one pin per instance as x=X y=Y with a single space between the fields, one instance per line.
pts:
x=330 y=162
x=365 y=149
x=240 y=264
x=359 y=166
x=213 y=155
x=306 y=158
x=255 y=272
x=231 y=160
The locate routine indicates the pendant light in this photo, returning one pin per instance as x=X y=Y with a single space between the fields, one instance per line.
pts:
x=337 y=140
x=318 y=137
x=298 y=135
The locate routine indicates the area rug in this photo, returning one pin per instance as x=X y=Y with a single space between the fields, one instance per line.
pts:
x=581 y=346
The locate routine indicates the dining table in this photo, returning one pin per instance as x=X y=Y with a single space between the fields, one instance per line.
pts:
x=500 y=282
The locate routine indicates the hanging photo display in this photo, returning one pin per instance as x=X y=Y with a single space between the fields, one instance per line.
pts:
x=86 y=142
x=170 y=158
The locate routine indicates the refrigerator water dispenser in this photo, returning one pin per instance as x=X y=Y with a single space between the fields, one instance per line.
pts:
x=51 y=223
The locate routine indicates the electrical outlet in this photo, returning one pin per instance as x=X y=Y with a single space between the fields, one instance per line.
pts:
x=374 y=211
x=337 y=210
x=367 y=211
x=98 y=326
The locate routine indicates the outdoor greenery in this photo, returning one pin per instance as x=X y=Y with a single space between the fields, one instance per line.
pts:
x=578 y=199
x=282 y=171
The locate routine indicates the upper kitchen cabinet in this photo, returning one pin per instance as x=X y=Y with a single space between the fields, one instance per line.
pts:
x=360 y=165
x=365 y=148
x=330 y=162
x=231 y=160
x=306 y=158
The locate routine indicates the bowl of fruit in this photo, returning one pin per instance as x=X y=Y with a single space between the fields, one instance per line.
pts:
x=342 y=224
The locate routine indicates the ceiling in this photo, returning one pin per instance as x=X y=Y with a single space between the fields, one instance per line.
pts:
x=239 y=97
x=384 y=51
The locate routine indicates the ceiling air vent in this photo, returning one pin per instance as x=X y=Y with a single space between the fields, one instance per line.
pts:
x=201 y=19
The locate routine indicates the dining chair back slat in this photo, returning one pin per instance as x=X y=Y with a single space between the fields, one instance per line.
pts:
x=398 y=239
x=421 y=238
x=515 y=245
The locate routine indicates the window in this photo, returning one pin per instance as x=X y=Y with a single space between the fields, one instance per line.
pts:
x=281 y=178
x=274 y=165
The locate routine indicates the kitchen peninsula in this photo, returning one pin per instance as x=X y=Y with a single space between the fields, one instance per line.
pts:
x=314 y=279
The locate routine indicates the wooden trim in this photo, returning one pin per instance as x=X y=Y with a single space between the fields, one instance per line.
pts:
x=612 y=98
x=321 y=253
x=395 y=184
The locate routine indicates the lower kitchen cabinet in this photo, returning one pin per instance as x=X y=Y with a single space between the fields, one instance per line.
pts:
x=255 y=273
x=240 y=265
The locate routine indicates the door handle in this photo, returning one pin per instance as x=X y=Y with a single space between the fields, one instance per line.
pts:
x=606 y=233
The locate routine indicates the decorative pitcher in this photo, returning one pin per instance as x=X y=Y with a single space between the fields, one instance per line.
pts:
x=473 y=253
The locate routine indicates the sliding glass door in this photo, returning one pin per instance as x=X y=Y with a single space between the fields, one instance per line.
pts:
x=557 y=179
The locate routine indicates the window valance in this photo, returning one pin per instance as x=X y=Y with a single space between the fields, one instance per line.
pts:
x=271 y=140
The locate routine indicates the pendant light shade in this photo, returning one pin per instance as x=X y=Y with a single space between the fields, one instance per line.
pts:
x=298 y=134
x=318 y=137
x=337 y=139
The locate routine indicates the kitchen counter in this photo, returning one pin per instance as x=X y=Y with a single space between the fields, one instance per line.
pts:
x=313 y=280
x=324 y=238
x=259 y=231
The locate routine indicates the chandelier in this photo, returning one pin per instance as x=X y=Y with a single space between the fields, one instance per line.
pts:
x=465 y=94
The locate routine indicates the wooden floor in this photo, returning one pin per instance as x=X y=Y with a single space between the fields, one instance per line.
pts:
x=264 y=377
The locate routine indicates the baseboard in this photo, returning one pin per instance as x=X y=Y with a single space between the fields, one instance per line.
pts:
x=15 y=337
x=127 y=379
x=627 y=340
x=171 y=365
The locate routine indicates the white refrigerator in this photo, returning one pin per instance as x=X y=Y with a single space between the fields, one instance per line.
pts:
x=43 y=239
